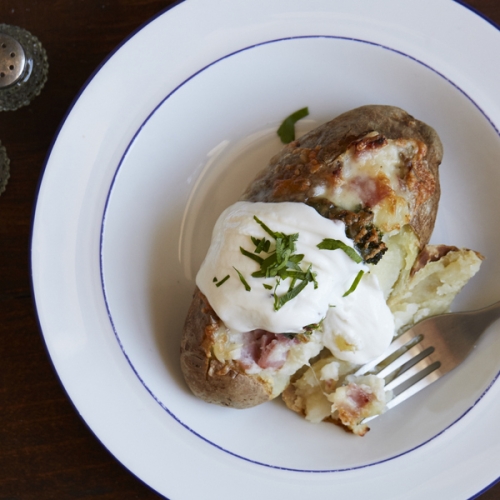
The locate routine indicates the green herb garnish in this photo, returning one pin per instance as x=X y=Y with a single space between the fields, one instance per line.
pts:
x=286 y=131
x=252 y=256
x=223 y=280
x=293 y=291
x=243 y=280
x=330 y=244
x=314 y=326
x=308 y=329
x=281 y=263
x=262 y=245
x=355 y=283
x=266 y=229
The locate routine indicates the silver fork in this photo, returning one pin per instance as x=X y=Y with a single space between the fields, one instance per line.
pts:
x=429 y=350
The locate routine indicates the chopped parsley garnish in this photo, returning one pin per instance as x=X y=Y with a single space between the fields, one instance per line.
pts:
x=243 y=280
x=313 y=326
x=293 y=291
x=330 y=244
x=280 y=263
x=223 y=280
x=262 y=245
x=266 y=229
x=252 y=256
x=286 y=131
x=355 y=283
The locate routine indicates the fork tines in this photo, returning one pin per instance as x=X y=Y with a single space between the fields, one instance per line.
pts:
x=407 y=367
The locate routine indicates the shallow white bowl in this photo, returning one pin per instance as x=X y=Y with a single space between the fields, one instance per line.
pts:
x=141 y=170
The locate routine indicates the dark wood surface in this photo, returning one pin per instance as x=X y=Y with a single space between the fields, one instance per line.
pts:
x=46 y=450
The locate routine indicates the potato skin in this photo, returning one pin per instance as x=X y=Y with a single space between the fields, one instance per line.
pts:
x=208 y=378
x=292 y=176
x=295 y=172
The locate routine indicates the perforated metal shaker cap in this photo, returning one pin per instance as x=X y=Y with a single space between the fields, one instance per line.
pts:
x=23 y=67
x=12 y=60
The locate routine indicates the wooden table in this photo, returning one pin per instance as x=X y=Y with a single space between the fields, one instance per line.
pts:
x=46 y=450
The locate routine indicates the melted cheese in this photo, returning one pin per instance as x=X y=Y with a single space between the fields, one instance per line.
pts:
x=373 y=178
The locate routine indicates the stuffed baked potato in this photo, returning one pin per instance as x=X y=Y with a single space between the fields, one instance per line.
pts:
x=374 y=169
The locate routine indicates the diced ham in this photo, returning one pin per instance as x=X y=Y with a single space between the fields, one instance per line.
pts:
x=266 y=349
x=358 y=396
x=371 y=190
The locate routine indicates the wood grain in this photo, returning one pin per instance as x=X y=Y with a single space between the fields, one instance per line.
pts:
x=46 y=450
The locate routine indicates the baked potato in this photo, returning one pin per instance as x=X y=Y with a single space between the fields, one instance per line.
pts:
x=343 y=163
x=374 y=169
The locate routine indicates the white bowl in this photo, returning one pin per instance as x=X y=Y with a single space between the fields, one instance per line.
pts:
x=141 y=170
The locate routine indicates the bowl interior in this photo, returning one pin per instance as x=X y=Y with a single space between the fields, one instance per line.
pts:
x=194 y=156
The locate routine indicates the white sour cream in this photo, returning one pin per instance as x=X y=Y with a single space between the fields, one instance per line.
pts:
x=360 y=327
x=243 y=310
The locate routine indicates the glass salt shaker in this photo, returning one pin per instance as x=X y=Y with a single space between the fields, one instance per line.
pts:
x=23 y=67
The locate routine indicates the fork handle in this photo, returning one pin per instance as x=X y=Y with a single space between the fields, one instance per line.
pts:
x=484 y=317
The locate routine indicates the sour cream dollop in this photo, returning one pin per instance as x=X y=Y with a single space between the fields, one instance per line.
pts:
x=242 y=310
x=361 y=326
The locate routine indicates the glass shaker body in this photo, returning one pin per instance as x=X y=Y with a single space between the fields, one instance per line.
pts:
x=4 y=168
x=23 y=67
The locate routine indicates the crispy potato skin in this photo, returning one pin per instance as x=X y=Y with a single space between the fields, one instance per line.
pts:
x=295 y=172
x=209 y=379
x=292 y=176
